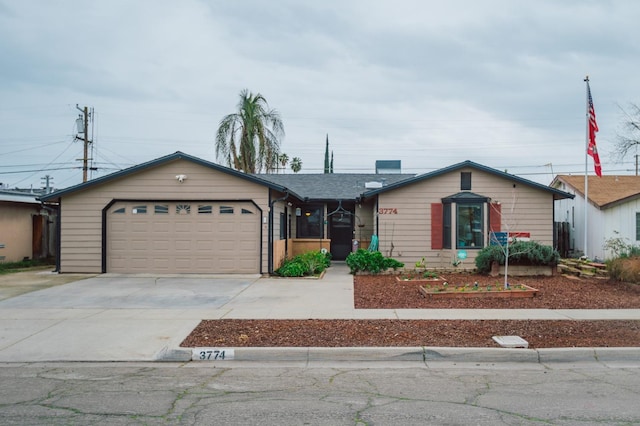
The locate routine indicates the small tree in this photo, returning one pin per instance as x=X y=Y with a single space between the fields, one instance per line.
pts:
x=508 y=249
x=629 y=140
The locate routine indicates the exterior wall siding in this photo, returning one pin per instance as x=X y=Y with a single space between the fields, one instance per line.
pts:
x=406 y=235
x=16 y=231
x=601 y=224
x=619 y=222
x=81 y=212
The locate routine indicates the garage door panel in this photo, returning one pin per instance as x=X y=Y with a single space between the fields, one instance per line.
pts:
x=160 y=226
x=118 y=225
x=226 y=226
x=204 y=245
x=205 y=227
x=183 y=226
x=211 y=238
x=160 y=245
x=118 y=245
x=140 y=227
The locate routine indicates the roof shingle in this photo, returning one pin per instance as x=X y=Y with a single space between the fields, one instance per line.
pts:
x=606 y=190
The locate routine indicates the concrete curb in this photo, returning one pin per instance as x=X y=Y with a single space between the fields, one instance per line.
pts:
x=420 y=354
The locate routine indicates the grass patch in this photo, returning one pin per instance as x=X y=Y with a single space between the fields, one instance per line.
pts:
x=9 y=267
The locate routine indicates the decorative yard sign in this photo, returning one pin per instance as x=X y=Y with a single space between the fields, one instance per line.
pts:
x=212 y=354
x=501 y=238
x=498 y=239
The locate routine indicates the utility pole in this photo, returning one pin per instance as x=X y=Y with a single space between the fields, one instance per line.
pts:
x=48 y=184
x=85 y=132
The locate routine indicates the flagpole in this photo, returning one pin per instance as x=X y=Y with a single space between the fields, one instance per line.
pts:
x=586 y=160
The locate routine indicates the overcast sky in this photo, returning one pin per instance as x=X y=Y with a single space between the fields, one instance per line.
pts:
x=428 y=83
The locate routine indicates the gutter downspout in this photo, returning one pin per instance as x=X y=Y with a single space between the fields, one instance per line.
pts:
x=270 y=231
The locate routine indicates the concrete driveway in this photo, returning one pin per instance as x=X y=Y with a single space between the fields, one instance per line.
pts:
x=109 y=317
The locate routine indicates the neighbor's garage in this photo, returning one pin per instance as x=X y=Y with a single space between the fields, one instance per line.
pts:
x=183 y=237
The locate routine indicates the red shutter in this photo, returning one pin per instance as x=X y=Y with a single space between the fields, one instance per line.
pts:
x=436 y=226
x=495 y=217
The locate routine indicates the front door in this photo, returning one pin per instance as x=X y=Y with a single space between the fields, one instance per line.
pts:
x=341 y=234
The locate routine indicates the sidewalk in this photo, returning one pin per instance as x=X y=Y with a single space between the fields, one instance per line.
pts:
x=144 y=318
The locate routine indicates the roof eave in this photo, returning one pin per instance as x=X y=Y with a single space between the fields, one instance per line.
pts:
x=55 y=196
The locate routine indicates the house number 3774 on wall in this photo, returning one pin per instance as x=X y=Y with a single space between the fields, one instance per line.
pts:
x=388 y=210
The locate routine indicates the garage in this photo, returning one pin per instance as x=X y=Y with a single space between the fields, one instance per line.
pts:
x=198 y=237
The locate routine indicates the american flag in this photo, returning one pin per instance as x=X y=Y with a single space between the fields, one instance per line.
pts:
x=592 y=150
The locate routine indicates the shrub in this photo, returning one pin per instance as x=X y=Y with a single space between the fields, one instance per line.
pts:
x=370 y=261
x=621 y=247
x=520 y=253
x=625 y=269
x=309 y=263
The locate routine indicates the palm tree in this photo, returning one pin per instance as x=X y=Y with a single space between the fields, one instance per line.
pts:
x=283 y=159
x=296 y=164
x=249 y=139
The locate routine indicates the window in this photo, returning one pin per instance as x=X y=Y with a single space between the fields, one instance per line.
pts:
x=283 y=226
x=465 y=181
x=161 y=209
x=226 y=210
x=121 y=210
x=469 y=223
x=637 y=226
x=310 y=222
x=139 y=210
x=245 y=211
x=183 y=208
x=205 y=209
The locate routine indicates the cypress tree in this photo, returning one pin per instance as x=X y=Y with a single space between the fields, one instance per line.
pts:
x=326 y=156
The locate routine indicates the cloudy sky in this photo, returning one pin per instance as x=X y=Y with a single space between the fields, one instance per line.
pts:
x=428 y=83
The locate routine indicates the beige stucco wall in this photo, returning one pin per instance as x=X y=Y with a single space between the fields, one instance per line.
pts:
x=81 y=212
x=406 y=235
x=16 y=230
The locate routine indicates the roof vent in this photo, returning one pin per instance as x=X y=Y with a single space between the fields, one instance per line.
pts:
x=388 y=166
x=372 y=185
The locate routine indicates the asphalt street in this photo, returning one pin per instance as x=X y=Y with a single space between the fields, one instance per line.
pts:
x=360 y=394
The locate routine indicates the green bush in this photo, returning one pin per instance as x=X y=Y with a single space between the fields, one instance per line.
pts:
x=309 y=263
x=520 y=253
x=370 y=261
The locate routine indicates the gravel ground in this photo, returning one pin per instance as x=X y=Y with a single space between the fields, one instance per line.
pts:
x=385 y=292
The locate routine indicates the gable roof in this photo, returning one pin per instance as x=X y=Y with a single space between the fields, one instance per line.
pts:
x=606 y=191
x=160 y=161
x=332 y=186
x=557 y=194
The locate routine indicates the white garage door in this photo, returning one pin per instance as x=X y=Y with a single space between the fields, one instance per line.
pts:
x=183 y=237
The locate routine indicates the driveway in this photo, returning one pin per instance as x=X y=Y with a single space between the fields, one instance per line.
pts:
x=109 y=317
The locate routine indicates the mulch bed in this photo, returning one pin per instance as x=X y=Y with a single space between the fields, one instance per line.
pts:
x=556 y=292
x=385 y=292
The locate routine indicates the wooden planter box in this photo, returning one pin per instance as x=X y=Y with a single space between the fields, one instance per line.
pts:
x=469 y=292
x=417 y=280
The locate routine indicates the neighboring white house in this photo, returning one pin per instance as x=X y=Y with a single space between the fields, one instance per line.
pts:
x=613 y=211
